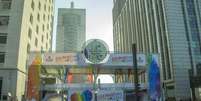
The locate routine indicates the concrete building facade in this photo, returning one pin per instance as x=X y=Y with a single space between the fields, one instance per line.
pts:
x=170 y=28
x=71 y=29
x=25 y=25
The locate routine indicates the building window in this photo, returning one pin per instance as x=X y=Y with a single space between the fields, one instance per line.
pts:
x=37 y=29
x=5 y=4
x=1 y=83
x=38 y=17
x=45 y=7
x=32 y=4
x=47 y=36
x=43 y=27
x=44 y=17
x=28 y=48
x=46 y=45
x=50 y=40
x=48 y=17
x=31 y=19
x=2 y=57
x=36 y=42
x=41 y=48
x=42 y=38
x=51 y=24
x=30 y=33
x=48 y=26
x=49 y=9
x=39 y=6
x=4 y=20
x=3 y=38
x=4 y=97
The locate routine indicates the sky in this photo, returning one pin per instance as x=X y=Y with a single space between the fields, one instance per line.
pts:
x=98 y=19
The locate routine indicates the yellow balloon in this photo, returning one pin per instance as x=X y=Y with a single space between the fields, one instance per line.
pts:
x=79 y=97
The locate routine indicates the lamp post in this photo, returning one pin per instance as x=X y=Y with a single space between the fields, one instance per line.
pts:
x=136 y=89
x=94 y=83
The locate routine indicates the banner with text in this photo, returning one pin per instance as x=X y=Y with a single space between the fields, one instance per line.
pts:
x=125 y=60
x=112 y=95
x=60 y=59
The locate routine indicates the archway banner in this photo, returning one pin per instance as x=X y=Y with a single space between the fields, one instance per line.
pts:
x=114 y=60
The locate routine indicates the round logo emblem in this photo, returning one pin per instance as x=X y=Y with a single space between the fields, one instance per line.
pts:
x=95 y=51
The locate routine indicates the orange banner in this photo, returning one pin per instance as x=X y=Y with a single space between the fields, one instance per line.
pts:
x=33 y=86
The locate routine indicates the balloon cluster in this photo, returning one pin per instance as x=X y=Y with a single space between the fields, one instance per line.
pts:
x=85 y=96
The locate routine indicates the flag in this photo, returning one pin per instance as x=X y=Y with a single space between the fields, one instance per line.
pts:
x=154 y=80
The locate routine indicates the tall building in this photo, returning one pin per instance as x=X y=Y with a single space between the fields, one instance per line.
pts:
x=170 y=28
x=71 y=31
x=25 y=25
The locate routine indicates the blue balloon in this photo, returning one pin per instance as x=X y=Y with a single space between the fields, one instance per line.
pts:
x=87 y=95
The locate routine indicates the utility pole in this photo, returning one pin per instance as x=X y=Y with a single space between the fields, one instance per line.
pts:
x=136 y=89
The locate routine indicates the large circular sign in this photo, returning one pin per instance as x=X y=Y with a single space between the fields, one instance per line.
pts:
x=95 y=51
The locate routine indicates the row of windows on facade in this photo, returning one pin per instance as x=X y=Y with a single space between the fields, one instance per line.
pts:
x=31 y=18
x=43 y=26
x=36 y=44
x=5 y=4
x=30 y=35
x=37 y=28
x=3 y=40
x=2 y=54
x=39 y=6
x=4 y=20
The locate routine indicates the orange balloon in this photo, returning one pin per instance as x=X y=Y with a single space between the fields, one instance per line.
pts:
x=70 y=78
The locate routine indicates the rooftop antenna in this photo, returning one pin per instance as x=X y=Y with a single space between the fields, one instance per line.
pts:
x=72 y=4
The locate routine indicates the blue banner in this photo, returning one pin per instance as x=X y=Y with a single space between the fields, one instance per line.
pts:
x=154 y=79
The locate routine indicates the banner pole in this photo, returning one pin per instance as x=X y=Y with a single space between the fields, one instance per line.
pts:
x=136 y=89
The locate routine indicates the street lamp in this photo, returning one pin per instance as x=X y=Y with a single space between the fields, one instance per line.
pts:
x=136 y=89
